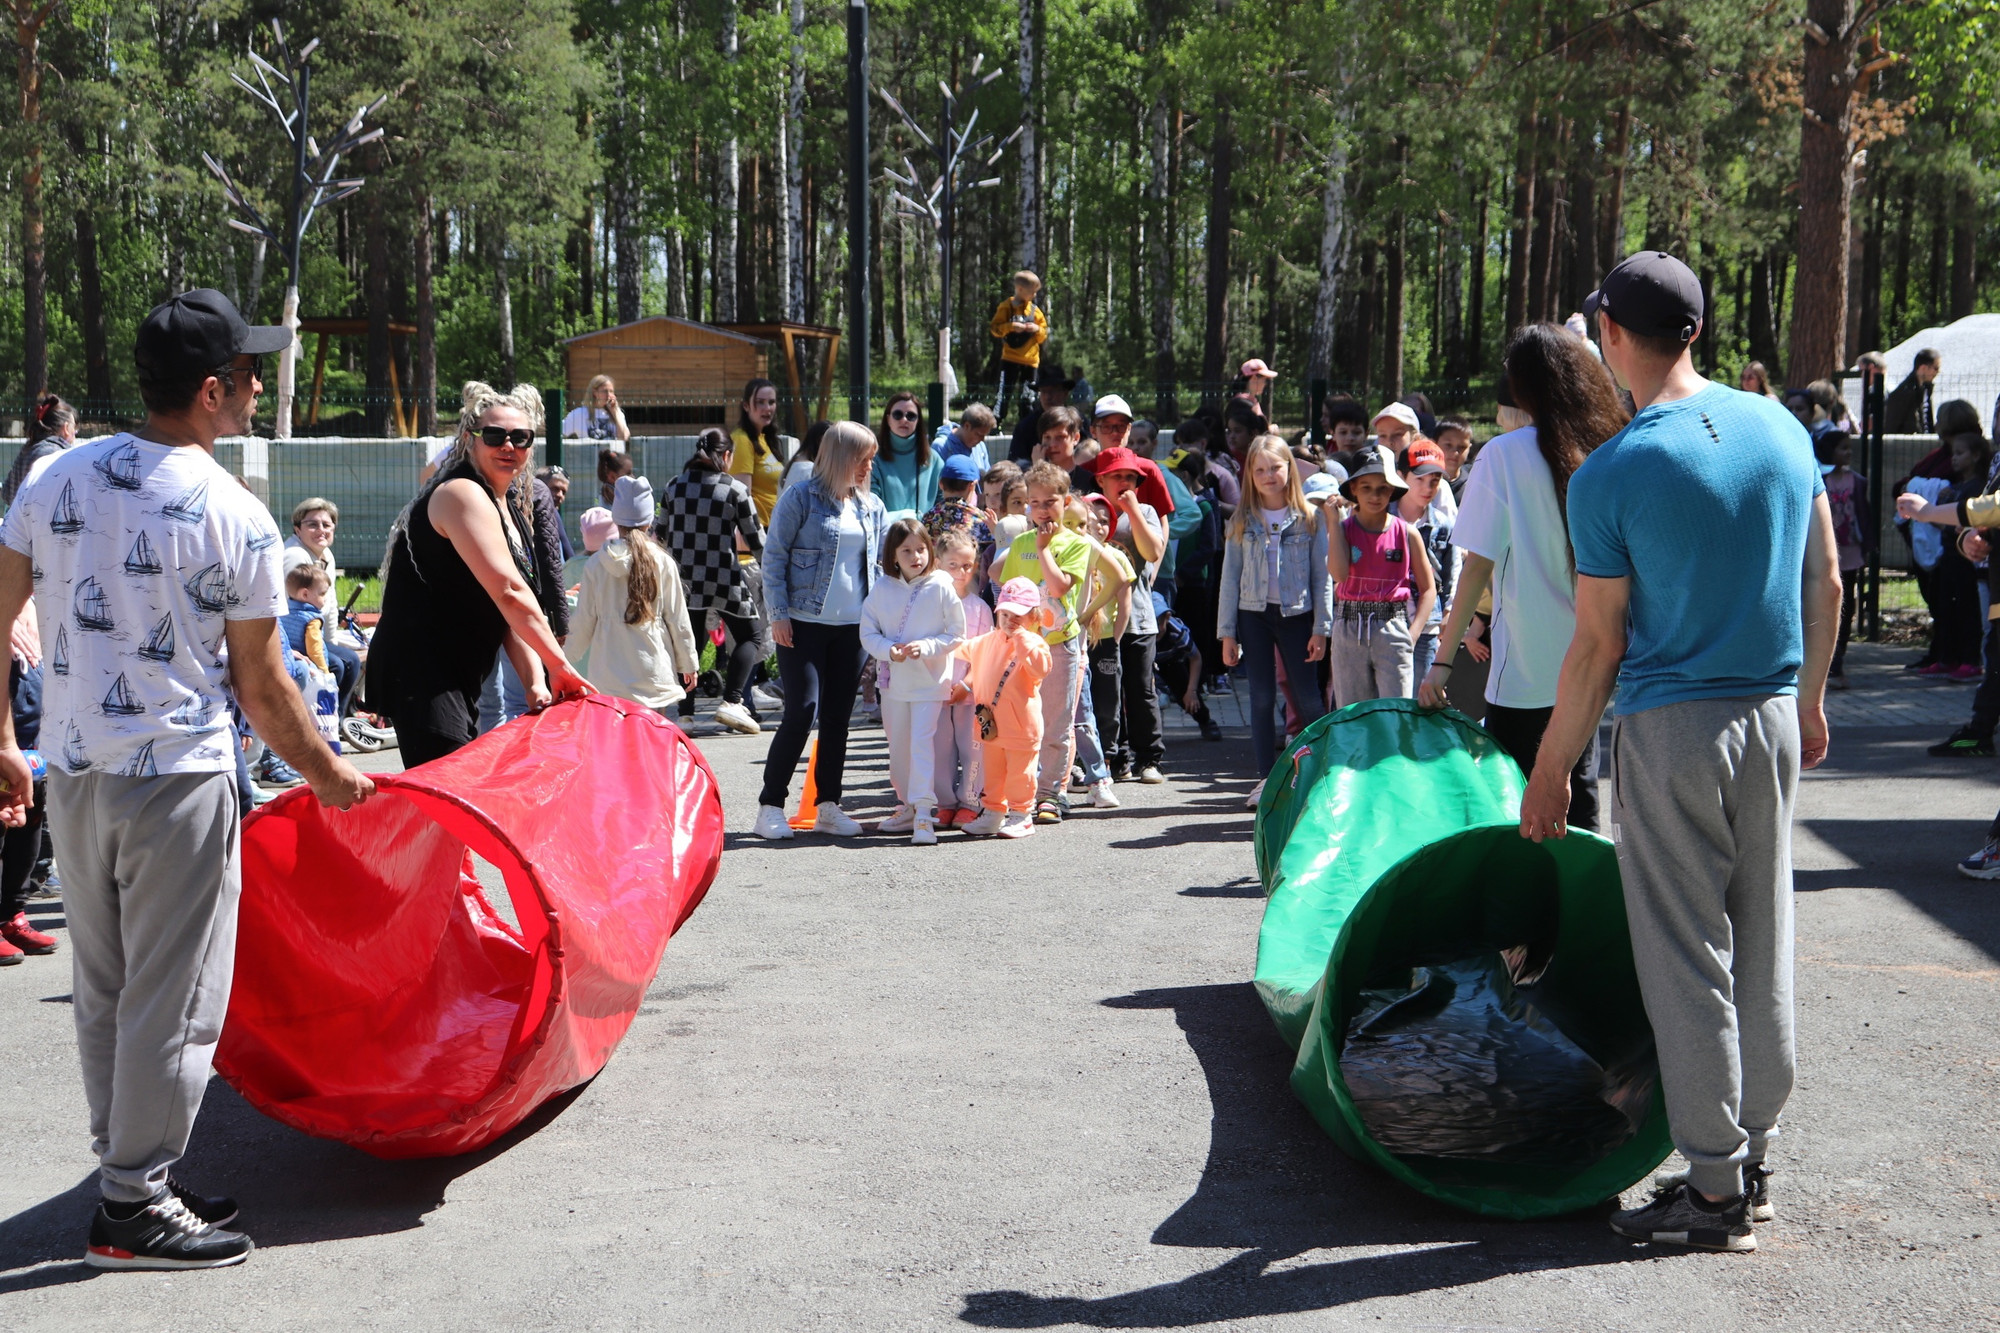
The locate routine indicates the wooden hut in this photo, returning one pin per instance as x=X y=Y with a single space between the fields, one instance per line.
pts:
x=669 y=372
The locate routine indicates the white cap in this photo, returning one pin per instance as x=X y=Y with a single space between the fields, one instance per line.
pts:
x=1111 y=405
x=1398 y=412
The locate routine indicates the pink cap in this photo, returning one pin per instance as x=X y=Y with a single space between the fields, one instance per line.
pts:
x=1021 y=596
x=598 y=528
x=1256 y=367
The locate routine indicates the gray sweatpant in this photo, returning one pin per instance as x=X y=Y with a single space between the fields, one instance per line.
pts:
x=151 y=879
x=1372 y=658
x=1701 y=813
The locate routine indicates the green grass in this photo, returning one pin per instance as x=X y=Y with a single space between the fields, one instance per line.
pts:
x=371 y=595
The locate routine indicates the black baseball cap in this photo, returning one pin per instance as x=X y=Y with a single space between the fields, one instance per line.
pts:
x=1651 y=294
x=198 y=331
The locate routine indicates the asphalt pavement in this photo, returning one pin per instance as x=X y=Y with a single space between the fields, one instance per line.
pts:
x=1027 y=1085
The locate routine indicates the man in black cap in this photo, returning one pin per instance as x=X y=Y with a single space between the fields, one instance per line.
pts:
x=158 y=586
x=1052 y=387
x=1708 y=592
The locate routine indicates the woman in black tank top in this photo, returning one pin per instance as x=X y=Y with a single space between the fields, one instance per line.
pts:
x=461 y=580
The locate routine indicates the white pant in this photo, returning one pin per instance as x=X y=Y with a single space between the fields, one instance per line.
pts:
x=912 y=725
x=959 y=768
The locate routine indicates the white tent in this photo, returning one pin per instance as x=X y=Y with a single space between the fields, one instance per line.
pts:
x=1969 y=363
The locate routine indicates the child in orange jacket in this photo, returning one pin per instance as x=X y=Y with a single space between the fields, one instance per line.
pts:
x=1006 y=667
x=1022 y=328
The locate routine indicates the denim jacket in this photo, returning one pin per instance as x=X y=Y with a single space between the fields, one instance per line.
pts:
x=1303 y=583
x=799 y=548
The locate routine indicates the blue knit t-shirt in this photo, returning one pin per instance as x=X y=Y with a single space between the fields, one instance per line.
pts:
x=1703 y=503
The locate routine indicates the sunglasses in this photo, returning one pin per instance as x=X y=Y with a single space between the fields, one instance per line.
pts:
x=902 y=416
x=497 y=437
x=227 y=374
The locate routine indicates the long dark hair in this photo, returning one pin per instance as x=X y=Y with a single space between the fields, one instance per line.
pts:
x=52 y=415
x=766 y=440
x=1556 y=380
x=923 y=439
x=711 y=451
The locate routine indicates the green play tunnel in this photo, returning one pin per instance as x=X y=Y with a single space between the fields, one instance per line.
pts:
x=1387 y=839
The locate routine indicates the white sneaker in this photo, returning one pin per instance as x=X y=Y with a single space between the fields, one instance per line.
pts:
x=1151 y=776
x=1102 y=796
x=985 y=826
x=1018 y=824
x=764 y=701
x=772 y=824
x=832 y=819
x=904 y=818
x=737 y=718
x=924 y=832
x=1256 y=795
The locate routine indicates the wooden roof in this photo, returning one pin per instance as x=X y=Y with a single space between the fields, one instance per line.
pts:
x=677 y=332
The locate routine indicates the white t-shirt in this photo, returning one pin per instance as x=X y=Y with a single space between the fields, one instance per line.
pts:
x=1275 y=522
x=1143 y=620
x=593 y=423
x=141 y=552
x=1509 y=515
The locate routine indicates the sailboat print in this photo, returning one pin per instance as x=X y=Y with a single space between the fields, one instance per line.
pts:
x=142 y=765
x=120 y=701
x=59 y=658
x=75 y=759
x=196 y=713
x=159 y=645
x=120 y=468
x=142 y=558
x=190 y=506
x=263 y=541
x=93 y=608
x=209 y=589
x=67 y=520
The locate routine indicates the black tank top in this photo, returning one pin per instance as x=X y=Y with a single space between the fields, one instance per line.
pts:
x=439 y=629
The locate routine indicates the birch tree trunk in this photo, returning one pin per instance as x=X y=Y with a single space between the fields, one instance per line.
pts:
x=1030 y=209
x=423 y=376
x=795 y=118
x=503 y=299
x=1160 y=265
x=1332 y=254
x=725 y=259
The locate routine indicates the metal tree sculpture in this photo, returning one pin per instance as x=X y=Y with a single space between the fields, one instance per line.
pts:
x=953 y=147
x=313 y=182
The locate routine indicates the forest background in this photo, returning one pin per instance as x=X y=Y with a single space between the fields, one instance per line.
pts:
x=1367 y=192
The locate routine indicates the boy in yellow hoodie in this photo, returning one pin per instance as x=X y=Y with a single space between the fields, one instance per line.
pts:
x=1022 y=328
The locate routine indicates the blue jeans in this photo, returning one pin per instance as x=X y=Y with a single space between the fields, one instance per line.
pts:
x=1263 y=636
x=504 y=698
x=1422 y=653
x=1089 y=745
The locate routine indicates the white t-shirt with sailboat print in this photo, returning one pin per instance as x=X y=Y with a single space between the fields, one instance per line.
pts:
x=141 y=552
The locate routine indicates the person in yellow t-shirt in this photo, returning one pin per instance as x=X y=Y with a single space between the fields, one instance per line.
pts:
x=1022 y=328
x=1058 y=562
x=757 y=459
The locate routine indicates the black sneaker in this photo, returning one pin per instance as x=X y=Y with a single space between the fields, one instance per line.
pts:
x=1756 y=1189
x=1918 y=665
x=162 y=1234
x=1680 y=1216
x=217 y=1212
x=1209 y=731
x=1965 y=743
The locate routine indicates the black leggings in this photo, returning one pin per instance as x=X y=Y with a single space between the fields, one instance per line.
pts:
x=1519 y=731
x=743 y=658
x=433 y=726
x=19 y=850
x=821 y=671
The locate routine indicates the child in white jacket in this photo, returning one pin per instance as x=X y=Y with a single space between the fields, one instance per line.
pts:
x=631 y=622
x=912 y=620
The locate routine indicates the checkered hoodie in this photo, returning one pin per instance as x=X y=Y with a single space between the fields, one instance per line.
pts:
x=704 y=511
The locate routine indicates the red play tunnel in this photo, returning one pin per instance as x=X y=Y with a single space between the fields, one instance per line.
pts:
x=380 y=1000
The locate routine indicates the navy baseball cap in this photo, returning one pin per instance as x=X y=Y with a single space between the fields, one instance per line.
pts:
x=1651 y=294
x=960 y=467
x=199 y=331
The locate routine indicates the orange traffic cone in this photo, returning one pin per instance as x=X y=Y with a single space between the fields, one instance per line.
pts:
x=808 y=813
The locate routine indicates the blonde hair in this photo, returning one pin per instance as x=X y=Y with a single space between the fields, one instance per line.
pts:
x=590 y=390
x=1295 y=494
x=476 y=399
x=1026 y=276
x=313 y=506
x=839 y=450
x=642 y=584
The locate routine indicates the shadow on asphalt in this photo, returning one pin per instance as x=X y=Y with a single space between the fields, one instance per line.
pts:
x=1917 y=859
x=294 y=1190
x=1275 y=1187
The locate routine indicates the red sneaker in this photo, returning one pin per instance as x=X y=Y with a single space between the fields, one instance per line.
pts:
x=1969 y=672
x=20 y=935
x=9 y=955
x=1934 y=669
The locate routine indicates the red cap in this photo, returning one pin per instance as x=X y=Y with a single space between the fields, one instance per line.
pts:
x=1422 y=458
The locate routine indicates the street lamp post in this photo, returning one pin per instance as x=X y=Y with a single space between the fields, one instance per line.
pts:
x=313 y=183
